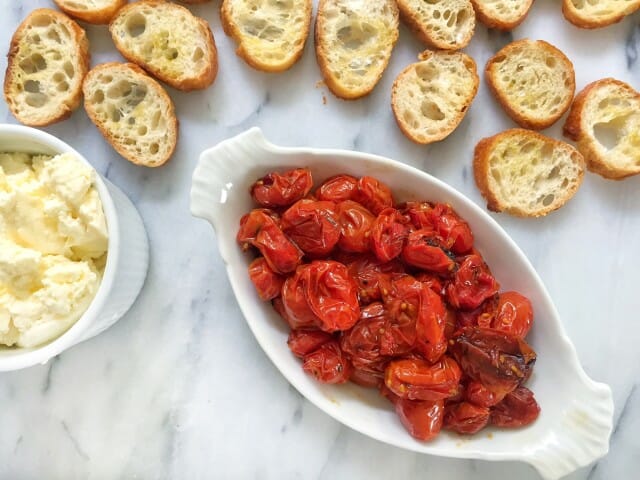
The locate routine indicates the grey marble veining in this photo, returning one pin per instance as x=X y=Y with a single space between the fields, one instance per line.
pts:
x=180 y=389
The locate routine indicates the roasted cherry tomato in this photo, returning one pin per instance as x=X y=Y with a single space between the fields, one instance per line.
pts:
x=367 y=271
x=362 y=342
x=332 y=295
x=295 y=307
x=388 y=234
x=355 y=226
x=465 y=418
x=420 y=214
x=432 y=281
x=480 y=395
x=424 y=250
x=498 y=360
x=472 y=284
x=313 y=226
x=513 y=314
x=338 y=188
x=261 y=230
x=252 y=223
x=402 y=296
x=365 y=378
x=416 y=318
x=373 y=194
x=519 y=408
x=322 y=294
x=430 y=326
x=422 y=419
x=303 y=342
x=417 y=380
x=328 y=364
x=278 y=306
x=479 y=317
x=282 y=189
x=451 y=228
x=443 y=221
x=267 y=282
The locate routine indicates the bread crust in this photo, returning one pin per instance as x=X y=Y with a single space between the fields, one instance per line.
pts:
x=572 y=14
x=101 y=16
x=232 y=30
x=411 y=19
x=334 y=85
x=481 y=159
x=511 y=110
x=453 y=122
x=483 y=15
x=81 y=50
x=575 y=129
x=172 y=120
x=186 y=84
x=481 y=172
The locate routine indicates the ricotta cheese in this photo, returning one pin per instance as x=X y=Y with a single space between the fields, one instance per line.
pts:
x=53 y=245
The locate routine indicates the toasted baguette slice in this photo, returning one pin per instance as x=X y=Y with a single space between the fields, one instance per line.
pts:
x=604 y=120
x=98 y=12
x=132 y=111
x=443 y=24
x=270 y=35
x=168 y=41
x=526 y=174
x=47 y=60
x=502 y=15
x=533 y=81
x=353 y=43
x=597 y=13
x=430 y=98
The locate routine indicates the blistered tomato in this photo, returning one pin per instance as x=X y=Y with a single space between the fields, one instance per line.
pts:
x=282 y=189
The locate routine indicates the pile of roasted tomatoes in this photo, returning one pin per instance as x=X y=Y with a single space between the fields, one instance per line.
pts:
x=394 y=297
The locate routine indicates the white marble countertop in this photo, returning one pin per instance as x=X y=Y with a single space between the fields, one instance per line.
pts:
x=180 y=389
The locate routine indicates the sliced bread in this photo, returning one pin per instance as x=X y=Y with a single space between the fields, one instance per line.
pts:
x=132 y=111
x=168 y=41
x=502 y=15
x=605 y=122
x=526 y=174
x=533 y=81
x=597 y=13
x=353 y=43
x=91 y=11
x=442 y=24
x=270 y=35
x=431 y=97
x=47 y=61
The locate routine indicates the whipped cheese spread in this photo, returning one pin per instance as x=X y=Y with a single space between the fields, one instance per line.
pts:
x=53 y=245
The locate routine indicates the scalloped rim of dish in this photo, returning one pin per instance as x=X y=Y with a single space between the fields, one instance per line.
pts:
x=552 y=462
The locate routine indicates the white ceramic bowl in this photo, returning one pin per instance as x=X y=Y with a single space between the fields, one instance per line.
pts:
x=575 y=424
x=127 y=257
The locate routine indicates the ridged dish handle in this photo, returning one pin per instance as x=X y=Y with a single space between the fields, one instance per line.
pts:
x=581 y=436
x=221 y=164
x=223 y=168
